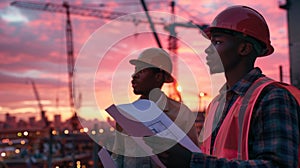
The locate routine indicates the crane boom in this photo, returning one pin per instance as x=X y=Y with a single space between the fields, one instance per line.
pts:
x=84 y=11
x=62 y=8
x=37 y=96
x=171 y=27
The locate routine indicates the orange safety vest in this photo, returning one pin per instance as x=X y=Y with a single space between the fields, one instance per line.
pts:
x=232 y=139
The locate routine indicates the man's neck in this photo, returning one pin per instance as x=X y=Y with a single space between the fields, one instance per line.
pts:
x=154 y=95
x=234 y=75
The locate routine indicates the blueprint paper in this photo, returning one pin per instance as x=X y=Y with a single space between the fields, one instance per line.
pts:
x=143 y=118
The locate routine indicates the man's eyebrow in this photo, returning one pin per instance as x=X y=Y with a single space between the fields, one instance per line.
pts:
x=216 y=35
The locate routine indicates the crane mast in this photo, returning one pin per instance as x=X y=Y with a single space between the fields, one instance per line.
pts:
x=82 y=11
x=70 y=58
x=173 y=46
x=175 y=93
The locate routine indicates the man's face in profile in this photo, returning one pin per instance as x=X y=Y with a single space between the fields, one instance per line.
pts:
x=143 y=81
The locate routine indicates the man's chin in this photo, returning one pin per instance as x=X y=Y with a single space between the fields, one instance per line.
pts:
x=215 y=71
x=136 y=92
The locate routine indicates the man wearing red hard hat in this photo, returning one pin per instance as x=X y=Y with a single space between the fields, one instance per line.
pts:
x=254 y=121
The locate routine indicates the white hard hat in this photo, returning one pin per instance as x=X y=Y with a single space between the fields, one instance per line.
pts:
x=155 y=58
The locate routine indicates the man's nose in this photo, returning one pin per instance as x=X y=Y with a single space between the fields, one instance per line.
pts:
x=209 y=49
x=135 y=75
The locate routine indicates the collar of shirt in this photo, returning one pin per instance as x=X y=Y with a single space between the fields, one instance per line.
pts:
x=162 y=102
x=243 y=84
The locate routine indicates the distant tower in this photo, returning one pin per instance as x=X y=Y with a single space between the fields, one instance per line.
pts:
x=10 y=121
x=7 y=120
x=32 y=121
x=7 y=117
x=57 y=121
x=292 y=7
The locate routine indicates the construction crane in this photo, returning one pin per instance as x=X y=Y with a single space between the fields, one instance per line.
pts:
x=173 y=46
x=37 y=96
x=174 y=89
x=82 y=11
x=91 y=12
x=174 y=92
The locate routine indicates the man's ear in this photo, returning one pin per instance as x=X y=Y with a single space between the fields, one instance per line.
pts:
x=245 y=48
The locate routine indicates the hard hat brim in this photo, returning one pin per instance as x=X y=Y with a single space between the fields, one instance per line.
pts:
x=168 y=77
x=207 y=34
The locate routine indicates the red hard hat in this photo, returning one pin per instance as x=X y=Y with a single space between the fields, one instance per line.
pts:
x=245 y=20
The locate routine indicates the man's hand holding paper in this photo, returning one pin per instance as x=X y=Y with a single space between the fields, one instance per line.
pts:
x=172 y=151
x=165 y=138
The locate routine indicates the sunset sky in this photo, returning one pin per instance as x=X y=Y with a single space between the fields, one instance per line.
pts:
x=33 y=47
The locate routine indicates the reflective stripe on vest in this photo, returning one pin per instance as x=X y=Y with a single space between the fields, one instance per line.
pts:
x=232 y=139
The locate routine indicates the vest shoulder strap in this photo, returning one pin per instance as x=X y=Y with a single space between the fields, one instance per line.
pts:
x=248 y=104
x=245 y=113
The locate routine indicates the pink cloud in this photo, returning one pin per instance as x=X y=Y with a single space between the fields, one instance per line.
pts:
x=38 y=47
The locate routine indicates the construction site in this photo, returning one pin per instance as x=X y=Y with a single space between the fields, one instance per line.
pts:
x=51 y=121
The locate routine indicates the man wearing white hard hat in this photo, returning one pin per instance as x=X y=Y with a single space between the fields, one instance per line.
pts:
x=153 y=68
